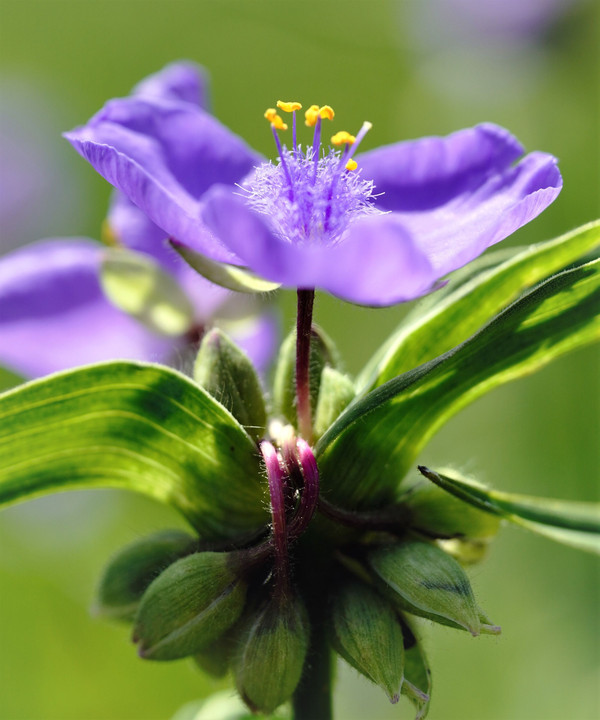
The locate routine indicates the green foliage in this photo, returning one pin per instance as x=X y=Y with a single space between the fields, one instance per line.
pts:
x=135 y=426
x=392 y=424
x=473 y=296
x=572 y=523
x=191 y=604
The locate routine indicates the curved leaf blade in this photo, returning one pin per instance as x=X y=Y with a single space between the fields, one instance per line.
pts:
x=572 y=523
x=392 y=424
x=473 y=296
x=135 y=426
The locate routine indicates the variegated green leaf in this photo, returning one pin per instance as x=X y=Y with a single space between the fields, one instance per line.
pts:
x=568 y=522
x=472 y=297
x=392 y=423
x=135 y=426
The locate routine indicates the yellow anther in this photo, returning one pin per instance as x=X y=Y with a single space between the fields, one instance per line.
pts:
x=343 y=138
x=351 y=164
x=311 y=115
x=326 y=112
x=278 y=123
x=275 y=119
x=288 y=106
x=314 y=112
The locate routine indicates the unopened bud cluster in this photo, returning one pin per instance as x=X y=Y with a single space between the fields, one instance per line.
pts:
x=355 y=579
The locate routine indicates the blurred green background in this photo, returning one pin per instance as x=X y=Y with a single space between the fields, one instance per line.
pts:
x=411 y=68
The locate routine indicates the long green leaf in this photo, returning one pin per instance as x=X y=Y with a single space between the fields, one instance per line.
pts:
x=136 y=426
x=572 y=523
x=366 y=452
x=472 y=298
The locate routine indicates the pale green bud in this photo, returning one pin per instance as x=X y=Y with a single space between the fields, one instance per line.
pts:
x=131 y=571
x=226 y=372
x=335 y=394
x=272 y=653
x=367 y=634
x=191 y=604
x=425 y=581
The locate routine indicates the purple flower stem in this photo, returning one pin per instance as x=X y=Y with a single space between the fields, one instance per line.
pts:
x=276 y=478
x=303 y=334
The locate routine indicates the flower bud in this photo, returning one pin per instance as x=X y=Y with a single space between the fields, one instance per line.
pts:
x=214 y=659
x=191 y=604
x=322 y=353
x=425 y=581
x=367 y=634
x=226 y=372
x=273 y=651
x=417 y=675
x=131 y=570
x=335 y=394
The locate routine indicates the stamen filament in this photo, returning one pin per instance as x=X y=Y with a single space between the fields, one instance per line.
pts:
x=283 y=162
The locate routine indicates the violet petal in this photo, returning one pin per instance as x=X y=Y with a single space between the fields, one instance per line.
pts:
x=55 y=315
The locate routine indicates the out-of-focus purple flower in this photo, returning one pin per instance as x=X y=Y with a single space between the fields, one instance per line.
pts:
x=54 y=313
x=382 y=234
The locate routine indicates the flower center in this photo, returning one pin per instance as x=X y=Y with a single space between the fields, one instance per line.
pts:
x=311 y=194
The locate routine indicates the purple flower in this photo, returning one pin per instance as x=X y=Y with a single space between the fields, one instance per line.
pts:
x=383 y=233
x=55 y=314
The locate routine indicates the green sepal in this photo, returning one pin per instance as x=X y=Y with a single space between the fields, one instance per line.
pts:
x=439 y=514
x=226 y=372
x=215 y=658
x=191 y=604
x=572 y=523
x=417 y=673
x=130 y=572
x=137 y=284
x=335 y=394
x=323 y=353
x=228 y=276
x=271 y=654
x=425 y=581
x=367 y=634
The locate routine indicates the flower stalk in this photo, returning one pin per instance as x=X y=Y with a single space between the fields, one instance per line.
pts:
x=303 y=333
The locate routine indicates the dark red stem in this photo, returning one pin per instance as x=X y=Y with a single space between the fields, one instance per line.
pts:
x=303 y=334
